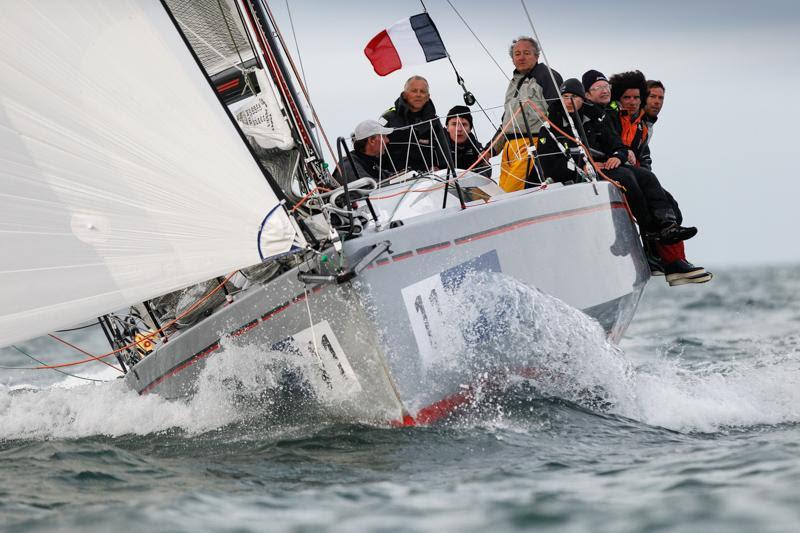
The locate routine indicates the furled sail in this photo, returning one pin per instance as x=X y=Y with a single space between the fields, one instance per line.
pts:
x=121 y=175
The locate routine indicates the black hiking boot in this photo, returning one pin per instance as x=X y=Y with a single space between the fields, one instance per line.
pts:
x=674 y=233
x=654 y=261
x=700 y=278
x=656 y=265
x=681 y=272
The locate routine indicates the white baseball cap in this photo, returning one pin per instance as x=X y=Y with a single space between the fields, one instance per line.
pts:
x=368 y=128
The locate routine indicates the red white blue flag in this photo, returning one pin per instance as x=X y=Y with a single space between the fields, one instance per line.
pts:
x=410 y=41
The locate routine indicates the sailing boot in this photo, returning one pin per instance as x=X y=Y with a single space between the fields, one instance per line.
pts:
x=671 y=232
x=698 y=278
x=678 y=270
x=681 y=272
x=674 y=233
x=651 y=254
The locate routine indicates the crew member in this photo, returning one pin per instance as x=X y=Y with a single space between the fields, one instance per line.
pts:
x=663 y=246
x=627 y=89
x=653 y=102
x=464 y=146
x=526 y=101
x=414 y=121
x=370 y=140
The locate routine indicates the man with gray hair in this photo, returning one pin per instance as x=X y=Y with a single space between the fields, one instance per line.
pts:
x=413 y=118
x=531 y=85
x=370 y=140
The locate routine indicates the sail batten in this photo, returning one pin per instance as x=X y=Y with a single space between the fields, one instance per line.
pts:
x=122 y=175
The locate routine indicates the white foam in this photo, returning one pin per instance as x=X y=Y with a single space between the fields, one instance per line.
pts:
x=742 y=393
x=73 y=408
x=508 y=326
x=530 y=328
x=230 y=389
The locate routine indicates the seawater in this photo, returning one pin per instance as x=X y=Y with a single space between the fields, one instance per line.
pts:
x=697 y=430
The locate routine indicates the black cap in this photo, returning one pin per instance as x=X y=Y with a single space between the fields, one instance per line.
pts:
x=572 y=86
x=460 y=111
x=590 y=77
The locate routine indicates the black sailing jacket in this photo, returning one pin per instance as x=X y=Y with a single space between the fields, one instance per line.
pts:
x=416 y=146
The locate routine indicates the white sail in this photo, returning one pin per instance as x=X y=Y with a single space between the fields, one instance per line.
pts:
x=215 y=32
x=121 y=175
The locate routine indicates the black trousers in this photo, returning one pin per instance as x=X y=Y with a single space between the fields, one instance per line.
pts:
x=652 y=206
x=675 y=207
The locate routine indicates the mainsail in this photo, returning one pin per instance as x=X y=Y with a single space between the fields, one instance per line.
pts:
x=121 y=175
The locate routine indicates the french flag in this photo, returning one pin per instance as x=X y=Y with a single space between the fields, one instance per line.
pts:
x=410 y=41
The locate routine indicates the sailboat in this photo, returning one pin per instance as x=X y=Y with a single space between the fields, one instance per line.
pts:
x=133 y=169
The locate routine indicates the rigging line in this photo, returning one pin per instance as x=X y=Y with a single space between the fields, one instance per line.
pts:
x=305 y=198
x=296 y=45
x=220 y=54
x=230 y=32
x=149 y=336
x=313 y=333
x=93 y=324
x=84 y=352
x=246 y=33
x=299 y=58
x=440 y=117
x=235 y=46
x=587 y=151
x=459 y=79
x=23 y=352
x=550 y=71
x=479 y=41
x=299 y=80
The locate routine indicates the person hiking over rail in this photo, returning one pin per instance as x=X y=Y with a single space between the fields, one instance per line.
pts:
x=653 y=102
x=531 y=82
x=562 y=162
x=664 y=243
x=629 y=119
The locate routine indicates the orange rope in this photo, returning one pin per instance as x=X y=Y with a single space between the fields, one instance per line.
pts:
x=480 y=158
x=146 y=337
x=84 y=352
x=305 y=198
x=588 y=153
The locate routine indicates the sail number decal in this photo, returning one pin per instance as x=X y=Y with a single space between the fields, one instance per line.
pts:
x=423 y=301
x=319 y=344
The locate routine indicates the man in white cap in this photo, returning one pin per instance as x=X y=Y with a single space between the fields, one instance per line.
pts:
x=369 y=143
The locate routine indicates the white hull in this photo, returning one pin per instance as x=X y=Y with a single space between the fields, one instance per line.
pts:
x=372 y=339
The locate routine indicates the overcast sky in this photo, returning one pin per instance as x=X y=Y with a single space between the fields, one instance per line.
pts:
x=725 y=144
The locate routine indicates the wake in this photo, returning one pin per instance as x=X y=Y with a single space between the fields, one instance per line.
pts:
x=494 y=326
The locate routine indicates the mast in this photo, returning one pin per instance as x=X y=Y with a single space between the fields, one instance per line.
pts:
x=258 y=17
x=270 y=180
x=262 y=56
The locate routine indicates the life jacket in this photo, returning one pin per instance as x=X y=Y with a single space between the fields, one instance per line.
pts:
x=634 y=131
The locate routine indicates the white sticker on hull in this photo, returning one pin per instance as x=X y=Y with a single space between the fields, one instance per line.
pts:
x=424 y=312
x=424 y=300
x=320 y=344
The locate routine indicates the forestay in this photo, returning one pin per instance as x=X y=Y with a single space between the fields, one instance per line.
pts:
x=121 y=175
